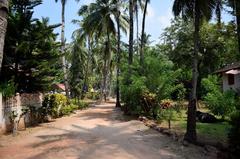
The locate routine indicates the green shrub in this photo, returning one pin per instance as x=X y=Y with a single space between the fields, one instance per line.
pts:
x=8 y=89
x=131 y=96
x=149 y=103
x=221 y=104
x=92 y=95
x=218 y=102
x=234 y=136
x=53 y=104
x=167 y=111
x=67 y=110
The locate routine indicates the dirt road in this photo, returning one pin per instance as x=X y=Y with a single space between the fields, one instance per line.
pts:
x=95 y=133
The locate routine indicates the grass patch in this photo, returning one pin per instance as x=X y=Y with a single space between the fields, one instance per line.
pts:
x=211 y=132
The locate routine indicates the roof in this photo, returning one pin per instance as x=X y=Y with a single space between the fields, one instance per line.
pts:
x=232 y=66
x=59 y=86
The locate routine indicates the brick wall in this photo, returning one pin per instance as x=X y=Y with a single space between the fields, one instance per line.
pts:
x=16 y=103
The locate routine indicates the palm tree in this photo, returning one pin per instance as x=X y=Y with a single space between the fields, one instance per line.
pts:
x=235 y=4
x=137 y=4
x=101 y=23
x=63 y=3
x=3 y=26
x=196 y=9
x=117 y=15
x=131 y=32
x=143 y=32
x=219 y=7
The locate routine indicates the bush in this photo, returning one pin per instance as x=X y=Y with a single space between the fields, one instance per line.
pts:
x=131 y=96
x=93 y=95
x=67 y=110
x=234 y=136
x=221 y=104
x=53 y=104
x=149 y=104
x=218 y=102
x=8 y=89
x=167 y=111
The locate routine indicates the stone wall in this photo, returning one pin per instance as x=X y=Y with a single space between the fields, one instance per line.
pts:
x=16 y=104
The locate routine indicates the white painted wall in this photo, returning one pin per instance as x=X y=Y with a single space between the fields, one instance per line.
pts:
x=236 y=85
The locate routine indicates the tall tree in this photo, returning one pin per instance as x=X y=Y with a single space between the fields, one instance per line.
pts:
x=235 y=4
x=219 y=7
x=131 y=32
x=63 y=3
x=143 y=32
x=3 y=26
x=117 y=16
x=138 y=4
x=196 y=10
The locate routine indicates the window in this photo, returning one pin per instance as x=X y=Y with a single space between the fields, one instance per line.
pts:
x=231 y=79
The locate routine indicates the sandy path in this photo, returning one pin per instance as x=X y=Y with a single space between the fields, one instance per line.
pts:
x=96 y=133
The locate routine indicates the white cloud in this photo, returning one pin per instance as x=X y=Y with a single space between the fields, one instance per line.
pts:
x=155 y=22
x=150 y=12
x=165 y=20
x=87 y=1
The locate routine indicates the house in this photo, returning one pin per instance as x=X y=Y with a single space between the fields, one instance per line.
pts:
x=59 y=88
x=230 y=77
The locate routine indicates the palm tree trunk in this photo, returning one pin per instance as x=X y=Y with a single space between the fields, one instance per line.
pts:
x=85 y=83
x=63 y=50
x=142 y=36
x=118 y=104
x=191 y=134
x=218 y=13
x=238 y=23
x=107 y=56
x=130 y=58
x=3 y=26
x=137 y=28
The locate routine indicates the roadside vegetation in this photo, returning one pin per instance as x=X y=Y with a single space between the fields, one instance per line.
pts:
x=163 y=81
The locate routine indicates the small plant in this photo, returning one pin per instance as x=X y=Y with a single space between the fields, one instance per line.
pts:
x=167 y=111
x=8 y=89
x=12 y=118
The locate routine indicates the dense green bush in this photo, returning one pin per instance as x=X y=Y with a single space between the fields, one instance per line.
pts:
x=93 y=95
x=56 y=105
x=218 y=102
x=131 y=96
x=8 y=89
x=53 y=104
x=67 y=110
x=142 y=91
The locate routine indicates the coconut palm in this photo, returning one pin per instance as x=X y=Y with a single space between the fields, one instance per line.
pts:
x=100 y=22
x=143 y=32
x=3 y=26
x=131 y=32
x=63 y=3
x=137 y=4
x=235 y=5
x=219 y=7
x=196 y=10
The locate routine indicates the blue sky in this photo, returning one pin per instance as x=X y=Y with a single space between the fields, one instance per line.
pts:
x=159 y=15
